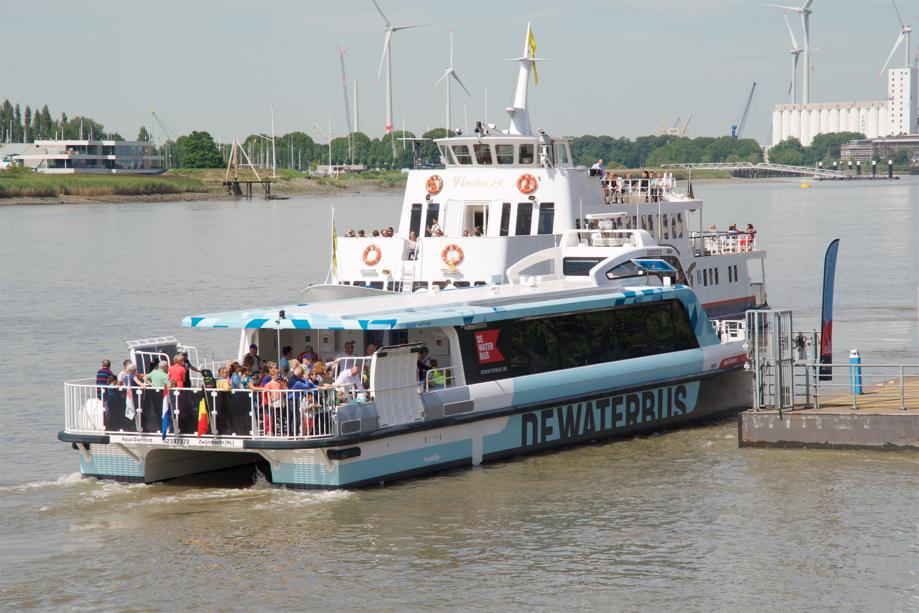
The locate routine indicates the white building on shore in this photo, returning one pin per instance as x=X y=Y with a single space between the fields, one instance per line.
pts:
x=875 y=118
x=90 y=157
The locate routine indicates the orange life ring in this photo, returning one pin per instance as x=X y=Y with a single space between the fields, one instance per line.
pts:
x=377 y=255
x=452 y=255
x=434 y=184
x=526 y=183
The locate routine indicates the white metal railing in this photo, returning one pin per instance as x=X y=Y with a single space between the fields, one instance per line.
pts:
x=861 y=386
x=716 y=243
x=633 y=191
x=440 y=378
x=96 y=409
x=730 y=330
x=339 y=364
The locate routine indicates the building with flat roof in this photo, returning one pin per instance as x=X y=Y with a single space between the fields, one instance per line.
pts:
x=91 y=157
x=874 y=118
x=881 y=149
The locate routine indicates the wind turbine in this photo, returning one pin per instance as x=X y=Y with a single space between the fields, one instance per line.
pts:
x=805 y=12
x=795 y=53
x=386 y=58
x=450 y=75
x=904 y=33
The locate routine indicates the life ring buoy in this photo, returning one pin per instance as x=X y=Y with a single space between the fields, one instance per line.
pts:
x=372 y=255
x=434 y=184
x=452 y=255
x=526 y=183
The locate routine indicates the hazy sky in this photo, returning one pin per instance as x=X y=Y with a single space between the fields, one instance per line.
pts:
x=616 y=65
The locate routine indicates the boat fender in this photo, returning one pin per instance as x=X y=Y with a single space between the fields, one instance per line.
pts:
x=434 y=184
x=372 y=255
x=526 y=183
x=452 y=255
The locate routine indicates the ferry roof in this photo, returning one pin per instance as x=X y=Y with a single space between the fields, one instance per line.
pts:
x=457 y=307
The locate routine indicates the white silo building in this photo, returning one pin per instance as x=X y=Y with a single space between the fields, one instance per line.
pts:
x=897 y=115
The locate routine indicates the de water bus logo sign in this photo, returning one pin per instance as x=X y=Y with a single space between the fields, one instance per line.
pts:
x=486 y=344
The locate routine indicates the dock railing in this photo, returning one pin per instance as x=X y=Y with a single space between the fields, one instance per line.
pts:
x=862 y=386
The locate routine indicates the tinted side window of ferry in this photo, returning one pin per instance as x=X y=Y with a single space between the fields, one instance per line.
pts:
x=546 y=218
x=524 y=218
x=515 y=348
x=504 y=154
x=461 y=153
x=526 y=154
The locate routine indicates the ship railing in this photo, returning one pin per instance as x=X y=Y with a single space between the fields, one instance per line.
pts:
x=718 y=243
x=340 y=364
x=730 y=330
x=116 y=409
x=440 y=378
x=635 y=191
x=606 y=238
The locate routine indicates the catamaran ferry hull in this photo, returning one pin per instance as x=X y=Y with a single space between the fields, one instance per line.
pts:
x=413 y=450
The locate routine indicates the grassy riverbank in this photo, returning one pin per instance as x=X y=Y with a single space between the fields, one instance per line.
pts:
x=292 y=182
x=18 y=183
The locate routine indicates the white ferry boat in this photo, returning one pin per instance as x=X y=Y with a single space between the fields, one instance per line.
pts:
x=605 y=343
x=505 y=194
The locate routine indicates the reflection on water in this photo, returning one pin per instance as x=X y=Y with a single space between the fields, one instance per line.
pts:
x=656 y=522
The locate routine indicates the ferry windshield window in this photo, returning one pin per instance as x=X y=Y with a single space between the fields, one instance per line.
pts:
x=578 y=267
x=504 y=154
x=561 y=154
x=624 y=270
x=414 y=224
x=482 y=154
x=461 y=153
x=524 y=218
x=526 y=154
x=444 y=156
x=516 y=348
x=505 y=218
x=546 y=218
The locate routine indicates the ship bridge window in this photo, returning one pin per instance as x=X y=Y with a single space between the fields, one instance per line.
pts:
x=546 y=218
x=578 y=267
x=526 y=153
x=504 y=154
x=444 y=154
x=482 y=154
x=561 y=154
x=461 y=153
x=624 y=270
x=524 y=219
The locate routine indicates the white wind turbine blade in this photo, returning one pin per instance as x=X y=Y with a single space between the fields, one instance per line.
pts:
x=793 y=9
x=892 y=51
x=379 y=10
x=456 y=76
x=794 y=41
x=897 y=11
x=442 y=77
x=806 y=5
x=417 y=25
x=385 y=51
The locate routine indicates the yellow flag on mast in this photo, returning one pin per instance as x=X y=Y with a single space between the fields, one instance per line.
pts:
x=531 y=41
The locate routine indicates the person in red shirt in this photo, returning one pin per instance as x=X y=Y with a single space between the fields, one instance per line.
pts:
x=177 y=371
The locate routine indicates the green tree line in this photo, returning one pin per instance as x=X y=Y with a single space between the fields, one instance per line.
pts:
x=824 y=148
x=28 y=125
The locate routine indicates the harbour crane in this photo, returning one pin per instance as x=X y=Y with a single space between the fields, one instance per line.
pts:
x=737 y=129
x=169 y=135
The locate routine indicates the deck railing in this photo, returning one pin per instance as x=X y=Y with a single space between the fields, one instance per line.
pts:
x=440 y=378
x=113 y=409
x=730 y=330
x=717 y=243
x=862 y=386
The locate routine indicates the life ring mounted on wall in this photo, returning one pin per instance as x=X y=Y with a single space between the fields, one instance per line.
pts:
x=372 y=255
x=434 y=184
x=527 y=183
x=452 y=255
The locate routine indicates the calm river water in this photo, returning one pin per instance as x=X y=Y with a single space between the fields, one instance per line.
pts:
x=683 y=521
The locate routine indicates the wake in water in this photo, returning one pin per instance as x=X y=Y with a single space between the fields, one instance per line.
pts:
x=62 y=481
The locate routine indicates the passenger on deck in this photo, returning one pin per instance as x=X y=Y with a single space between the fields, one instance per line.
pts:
x=256 y=359
x=478 y=231
x=177 y=371
x=438 y=381
x=233 y=375
x=320 y=373
x=376 y=234
x=104 y=375
x=129 y=377
x=223 y=379
x=284 y=362
x=424 y=364
x=349 y=378
x=412 y=245
x=435 y=228
x=158 y=377
x=465 y=232
x=245 y=378
x=188 y=368
x=750 y=230
x=299 y=381
x=437 y=232
x=124 y=369
x=360 y=233
x=265 y=374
